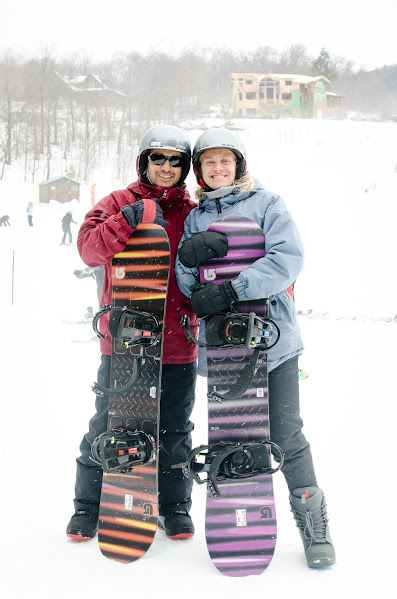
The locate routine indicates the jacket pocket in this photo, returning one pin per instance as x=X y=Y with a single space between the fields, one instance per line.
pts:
x=282 y=307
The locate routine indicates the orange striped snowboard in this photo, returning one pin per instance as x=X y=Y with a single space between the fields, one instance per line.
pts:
x=128 y=509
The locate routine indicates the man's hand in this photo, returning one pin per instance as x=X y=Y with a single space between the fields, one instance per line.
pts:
x=134 y=213
x=201 y=247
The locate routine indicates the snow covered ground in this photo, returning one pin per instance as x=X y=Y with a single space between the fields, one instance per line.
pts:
x=348 y=403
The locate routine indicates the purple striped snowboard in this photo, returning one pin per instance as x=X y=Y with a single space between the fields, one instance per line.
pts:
x=240 y=524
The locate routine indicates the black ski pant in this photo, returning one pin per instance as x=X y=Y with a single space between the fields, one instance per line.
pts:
x=286 y=425
x=176 y=405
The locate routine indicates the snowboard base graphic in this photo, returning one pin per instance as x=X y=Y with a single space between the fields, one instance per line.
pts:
x=240 y=523
x=128 y=507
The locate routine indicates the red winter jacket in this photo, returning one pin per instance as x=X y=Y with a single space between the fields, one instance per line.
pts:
x=105 y=232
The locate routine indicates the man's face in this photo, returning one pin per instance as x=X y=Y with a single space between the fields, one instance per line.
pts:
x=218 y=168
x=164 y=175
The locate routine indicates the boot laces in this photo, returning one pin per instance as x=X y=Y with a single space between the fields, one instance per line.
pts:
x=312 y=524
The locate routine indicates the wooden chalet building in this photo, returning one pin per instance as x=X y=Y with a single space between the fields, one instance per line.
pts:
x=276 y=96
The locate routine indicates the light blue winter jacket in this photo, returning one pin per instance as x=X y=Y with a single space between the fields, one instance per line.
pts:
x=269 y=276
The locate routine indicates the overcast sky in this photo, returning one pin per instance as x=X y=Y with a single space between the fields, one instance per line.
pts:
x=363 y=31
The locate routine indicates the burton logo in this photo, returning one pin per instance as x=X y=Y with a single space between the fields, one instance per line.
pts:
x=266 y=513
x=147 y=510
x=119 y=272
x=209 y=274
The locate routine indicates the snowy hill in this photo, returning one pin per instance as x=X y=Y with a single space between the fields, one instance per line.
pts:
x=339 y=180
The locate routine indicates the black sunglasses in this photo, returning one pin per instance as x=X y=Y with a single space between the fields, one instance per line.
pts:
x=159 y=159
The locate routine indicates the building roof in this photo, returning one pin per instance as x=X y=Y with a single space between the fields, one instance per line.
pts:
x=304 y=79
x=334 y=94
x=87 y=83
x=53 y=179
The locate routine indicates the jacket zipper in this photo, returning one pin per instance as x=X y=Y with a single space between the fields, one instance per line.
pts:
x=218 y=206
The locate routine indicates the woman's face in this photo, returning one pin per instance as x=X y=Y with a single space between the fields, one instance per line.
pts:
x=218 y=167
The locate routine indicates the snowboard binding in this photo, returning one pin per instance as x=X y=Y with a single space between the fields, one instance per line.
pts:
x=129 y=328
x=232 y=329
x=224 y=331
x=118 y=450
x=229 y=460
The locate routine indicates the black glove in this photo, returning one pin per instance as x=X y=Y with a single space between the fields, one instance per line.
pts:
x=133 y=214
x=208 y=298
x=201 y=247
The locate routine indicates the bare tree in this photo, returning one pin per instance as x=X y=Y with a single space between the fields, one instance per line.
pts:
x=295 y=59
x=47 y=114
x=264 y=60
x=10 y=90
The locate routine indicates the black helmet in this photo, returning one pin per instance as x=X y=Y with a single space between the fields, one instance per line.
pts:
x=218 y=138
x=163 y=137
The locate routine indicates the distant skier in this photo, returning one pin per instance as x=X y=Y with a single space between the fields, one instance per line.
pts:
x=5 y=220
x=29 y=210
x=371 y=187
x=66 y=222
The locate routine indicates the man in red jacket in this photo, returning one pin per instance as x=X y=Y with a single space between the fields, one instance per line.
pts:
x=163 y=164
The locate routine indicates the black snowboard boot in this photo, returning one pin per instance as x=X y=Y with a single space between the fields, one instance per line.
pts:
x=310 y=512
x=82 y=526
x=178 y=525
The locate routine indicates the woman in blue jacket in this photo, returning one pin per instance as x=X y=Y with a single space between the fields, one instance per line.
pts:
x=226 y=188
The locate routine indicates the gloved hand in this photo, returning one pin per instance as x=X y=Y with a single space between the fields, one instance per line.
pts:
x=208 y=298
x=202 y=246
x=133 y=214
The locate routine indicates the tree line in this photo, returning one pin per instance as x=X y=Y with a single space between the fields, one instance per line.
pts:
x=40 y=116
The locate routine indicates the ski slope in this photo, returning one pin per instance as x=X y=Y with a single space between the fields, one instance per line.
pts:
x=348 y=403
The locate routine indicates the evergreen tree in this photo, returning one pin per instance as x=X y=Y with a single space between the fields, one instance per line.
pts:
x=323 y=65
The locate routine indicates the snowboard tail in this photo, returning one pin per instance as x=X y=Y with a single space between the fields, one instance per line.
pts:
x=128 y=509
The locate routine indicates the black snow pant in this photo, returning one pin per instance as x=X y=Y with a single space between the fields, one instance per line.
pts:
x=286 y=425
x=176 y=406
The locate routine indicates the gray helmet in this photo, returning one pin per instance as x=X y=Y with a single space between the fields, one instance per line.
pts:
x=218 y=138
x=163 y=137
